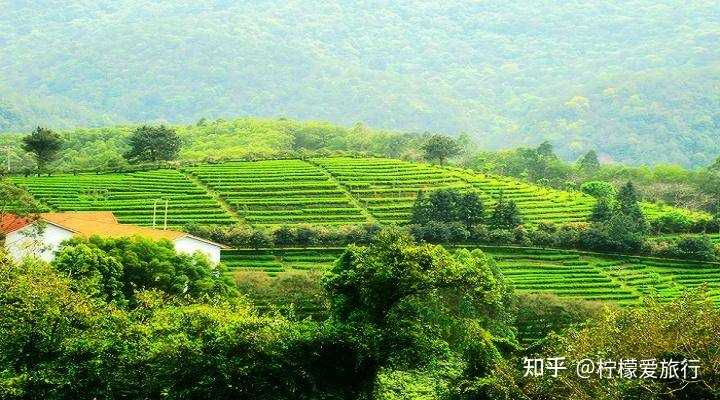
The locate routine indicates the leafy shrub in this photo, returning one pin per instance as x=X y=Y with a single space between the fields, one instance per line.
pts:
x=685 y=328
x=540 y=314
x=293 y=294
x=691 y=247
x=132 y=265
x=671 y=222
x=598 y=189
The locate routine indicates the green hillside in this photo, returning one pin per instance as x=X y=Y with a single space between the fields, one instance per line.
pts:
x=565 y=273
x=322 y=191
x=247 y=138
x=635 y=79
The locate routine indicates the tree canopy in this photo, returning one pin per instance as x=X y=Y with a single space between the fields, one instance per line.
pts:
x=548 y=71
x=153 y=143
x=447 y=206
x=45 y=145
x=439 y=148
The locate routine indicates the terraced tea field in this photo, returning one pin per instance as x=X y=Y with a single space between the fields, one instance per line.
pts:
x=132 y=196
x=278 y=192
x=386 y=187
x=274 y=261
x=322 y=191
x=569 y=274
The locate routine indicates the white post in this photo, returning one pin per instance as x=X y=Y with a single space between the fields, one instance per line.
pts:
x=167 y=202
x=154 y=213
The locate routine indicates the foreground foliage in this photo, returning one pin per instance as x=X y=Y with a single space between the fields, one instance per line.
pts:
x=72 y=330
x=683 y=329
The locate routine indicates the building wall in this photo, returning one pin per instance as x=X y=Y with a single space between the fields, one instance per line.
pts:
x=189 y=245
x=39 y=240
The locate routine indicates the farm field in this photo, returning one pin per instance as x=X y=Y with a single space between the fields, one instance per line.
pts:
x=715 y=237
x=131 y=196
x=322 y=191
x=568 y=274
x=278 y=192
x=274 y=261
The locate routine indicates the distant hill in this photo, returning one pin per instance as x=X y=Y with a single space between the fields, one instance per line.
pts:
x=635 y=79
x=25 y=112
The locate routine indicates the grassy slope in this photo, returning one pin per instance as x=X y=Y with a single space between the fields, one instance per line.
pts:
x=329 y=191
x=565 y=273
x=571 y=274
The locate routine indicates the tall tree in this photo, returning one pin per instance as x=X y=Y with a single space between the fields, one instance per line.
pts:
x=45 y=145
x=715 y=167
x=602 y=211
x=447 y=206
x=628 y=205
x=545 y=149
x=420 y=304
x=471 y=209
x=420 y=211
x=438 y=206
x=589 y=162
x=439 y=148
x=153 y=143
x=505 y=214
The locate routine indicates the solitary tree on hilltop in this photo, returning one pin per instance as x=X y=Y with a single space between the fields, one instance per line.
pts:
x=45 y=146
x=439 y=148
x=153 y=143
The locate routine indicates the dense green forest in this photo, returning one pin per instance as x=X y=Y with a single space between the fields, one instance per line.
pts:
x=636 y=80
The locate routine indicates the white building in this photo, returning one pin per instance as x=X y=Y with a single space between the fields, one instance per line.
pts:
x=42 y=237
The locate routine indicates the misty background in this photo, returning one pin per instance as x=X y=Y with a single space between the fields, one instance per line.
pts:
x=637 y=80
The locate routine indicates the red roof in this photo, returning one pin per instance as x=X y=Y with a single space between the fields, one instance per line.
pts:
x=87 y=224
x=10 y=223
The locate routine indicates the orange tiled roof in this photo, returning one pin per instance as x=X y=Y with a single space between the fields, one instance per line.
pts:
x=11 y=223
x=94 y=216
x=104 y=224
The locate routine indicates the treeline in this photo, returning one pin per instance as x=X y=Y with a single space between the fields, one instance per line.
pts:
x=126 y=148
x=674 y=185
x=617 y=225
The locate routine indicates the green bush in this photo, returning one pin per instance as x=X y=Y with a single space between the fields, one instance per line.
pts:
x=599 y=189
x=691 y=247
x=132 y=265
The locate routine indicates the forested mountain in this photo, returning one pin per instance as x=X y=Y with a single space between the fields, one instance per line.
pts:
x=635 y=79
